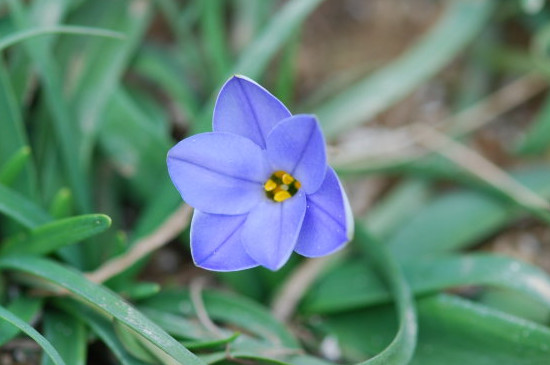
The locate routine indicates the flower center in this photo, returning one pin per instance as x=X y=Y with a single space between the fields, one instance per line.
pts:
x=281 y=186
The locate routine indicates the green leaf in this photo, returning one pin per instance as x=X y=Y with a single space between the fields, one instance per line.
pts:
x=24 y=308
x=508 y=301
x=135 y=145
x=398 y=206
x=177 y=325
x=13 y=138
x=214 y=37
x=52 y=236
x=461 y=22
x=402 y=347
x=100 y=327
x=21 y=209
x=102 y=63
x=62 y=203
x=254 y=59
x=460 y=219
x=209 y=344
x=102 y=299
x=66 y=133
x=24 y=35
x=14 y=165
x=425 y=276
x=128 y=339
x=453 y=331
x=140 y=290
x=6 y=315
x=238 y=311
x=68 y=335
x=162 y=67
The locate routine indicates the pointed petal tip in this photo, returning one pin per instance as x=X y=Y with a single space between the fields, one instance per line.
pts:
x=238 y=78
x=275 y=266
x=246 y=108
x=221 y=268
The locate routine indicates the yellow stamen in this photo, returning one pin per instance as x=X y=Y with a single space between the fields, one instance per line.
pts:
x=297 y=184
x=281 y=196
x=270 y=185
x=287 y=179
x=279 y=174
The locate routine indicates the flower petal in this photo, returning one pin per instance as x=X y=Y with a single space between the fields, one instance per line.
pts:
x=271 y=230
x=245 y=108
x=328 y=223
x=216 y=242
x=296 y=145
x=219 y=173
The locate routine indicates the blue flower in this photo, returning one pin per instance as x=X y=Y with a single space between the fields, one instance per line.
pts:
x=259 y=183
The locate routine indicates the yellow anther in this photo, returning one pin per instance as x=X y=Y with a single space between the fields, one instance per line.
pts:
x=270 y=185
x=281 y=196
x=287 y=179
x=281 y=186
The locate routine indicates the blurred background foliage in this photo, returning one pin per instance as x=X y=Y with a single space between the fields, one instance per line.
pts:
x=437 y=120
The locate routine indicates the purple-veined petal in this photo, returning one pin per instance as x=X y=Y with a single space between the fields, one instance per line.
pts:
x=216 y=242
x=296 y=145
x=328 y=223
x=271 y=230
x=243 y=107
x=219 y=173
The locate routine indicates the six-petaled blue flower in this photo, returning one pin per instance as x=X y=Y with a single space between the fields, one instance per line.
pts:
x=259 y=183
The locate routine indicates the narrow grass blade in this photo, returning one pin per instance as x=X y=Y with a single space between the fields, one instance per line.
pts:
x=101 y=327
x=13 y=138
x=14 y=165
x=102 y=299
x=238 y=311
x=460 y=219
x=461 y=22
x=214 y=36
x=24 y=308
x=477 y=335
x=397 y=207
x=52 y=236
x=248 y=19
x=177 y=325
x=24 y=35
x=453 y=331
x=402 y=347
x=424 y=277
x=281 y=27
x=68 y=335
x=182 y=24
x=62 y=203
x=128 y=338
x=162 y=67
x=66 y=132
x=32 y=333
x=101 y=63
x=21 y=209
